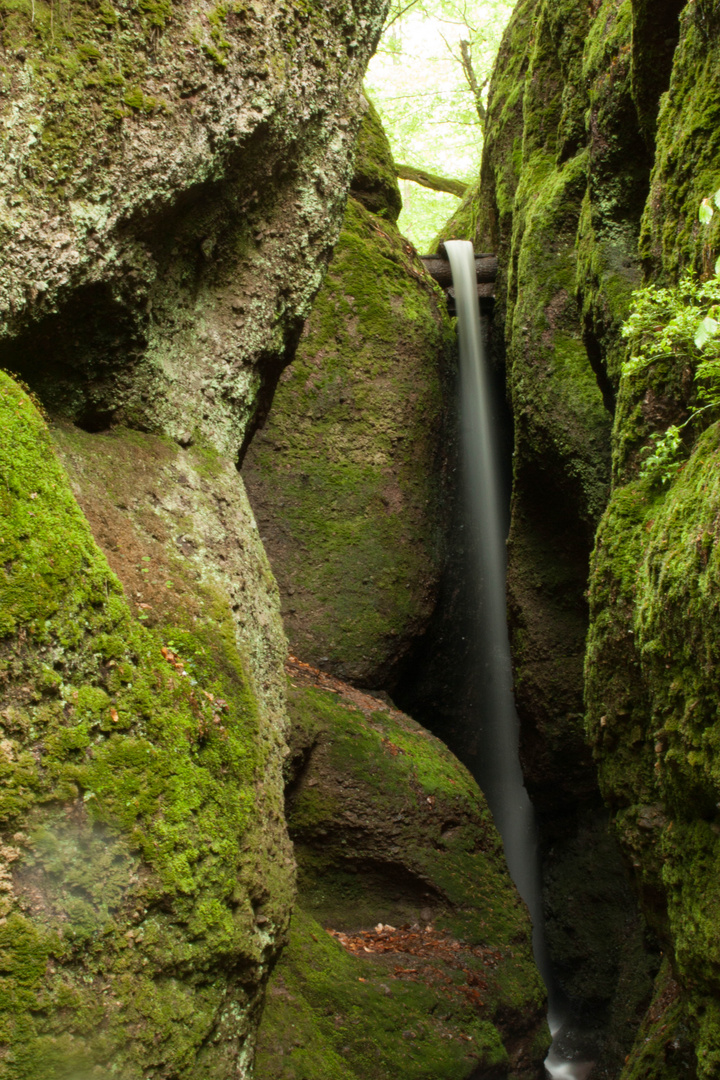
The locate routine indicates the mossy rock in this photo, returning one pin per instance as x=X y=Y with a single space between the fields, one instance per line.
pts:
x=134 y=863
x=333 y=1016
x=664 y=1049
x=591 y=174
x=652 y=714
x=565 y=174
x=687 y=150
x=559 y=201
x=389 y=828
x=173 y=177
x=374 y=183
x=347 y=476
x=650 y=665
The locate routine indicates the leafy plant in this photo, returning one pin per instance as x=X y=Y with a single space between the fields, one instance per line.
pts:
x=705 y=214
x=679 y=324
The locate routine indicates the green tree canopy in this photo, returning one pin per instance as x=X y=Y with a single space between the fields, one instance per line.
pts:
x=429 y=80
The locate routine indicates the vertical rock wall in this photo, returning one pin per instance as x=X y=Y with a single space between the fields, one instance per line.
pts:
x=589 y=180
x=172 y=180
x=652 y=652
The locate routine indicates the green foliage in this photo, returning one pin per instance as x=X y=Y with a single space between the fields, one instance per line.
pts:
x=705 y=213
x=424 y=99
x=677 y=324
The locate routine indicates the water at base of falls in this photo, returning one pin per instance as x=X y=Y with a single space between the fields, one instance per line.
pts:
x=499 y=773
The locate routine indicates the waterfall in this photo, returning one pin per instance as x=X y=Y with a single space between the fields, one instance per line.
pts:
x=499 y=773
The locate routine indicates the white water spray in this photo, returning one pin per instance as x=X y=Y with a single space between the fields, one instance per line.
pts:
x=499 y=772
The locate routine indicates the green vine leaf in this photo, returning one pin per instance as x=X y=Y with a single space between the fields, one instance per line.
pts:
x=705 y=212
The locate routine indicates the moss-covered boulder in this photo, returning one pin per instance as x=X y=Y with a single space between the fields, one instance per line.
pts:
x=172 y=180
x=652 y=651
x=346 y=477
x=146 y=876
x=429 y=971
x=651 y=675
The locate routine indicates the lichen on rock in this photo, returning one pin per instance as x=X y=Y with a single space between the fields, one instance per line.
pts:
x=173 y=179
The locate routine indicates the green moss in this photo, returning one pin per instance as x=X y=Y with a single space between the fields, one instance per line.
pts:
x=399 y=772
x=663 y=1049
x=128 y=777
x=331 y=1015
x=374 y=182
x=463 y=223
x=687 y=150
x=653 y=713
x=80 y=62
x=137 y=100
x=346 y=477
x=389 y=827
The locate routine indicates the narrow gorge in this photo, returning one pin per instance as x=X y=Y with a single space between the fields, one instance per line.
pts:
x=242 y=693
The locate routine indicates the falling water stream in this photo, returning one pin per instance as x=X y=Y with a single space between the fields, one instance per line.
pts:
x=499 y=772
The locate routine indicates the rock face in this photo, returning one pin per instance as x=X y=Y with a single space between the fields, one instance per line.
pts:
x=173 y=178
x=591 y=173
x=143 y=836
x=390 y=829
x=347 y=476
x=563 y=181
x=652 y=652
x=568 y=263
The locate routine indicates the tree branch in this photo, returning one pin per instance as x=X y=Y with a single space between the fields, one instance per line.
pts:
x=472 y=82
x=398 y=14
x=430 y=180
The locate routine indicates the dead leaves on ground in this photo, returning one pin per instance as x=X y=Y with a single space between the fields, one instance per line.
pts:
x=303 y=674
x=435 y=951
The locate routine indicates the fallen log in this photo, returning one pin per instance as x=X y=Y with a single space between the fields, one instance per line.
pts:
x=430 y=180
x=486 y=268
